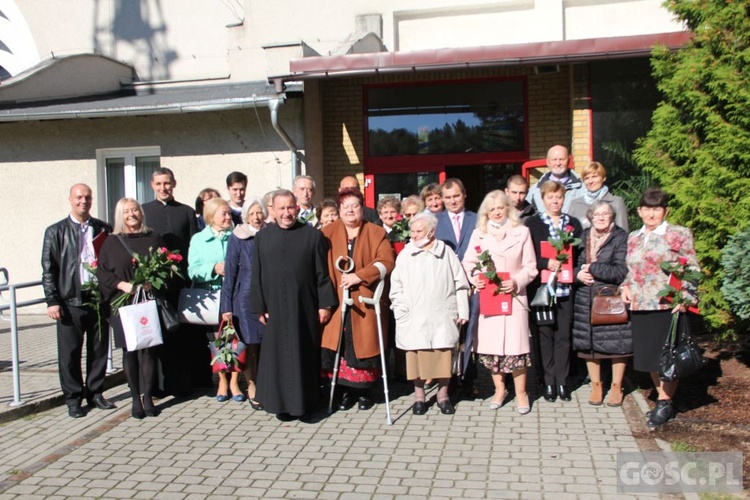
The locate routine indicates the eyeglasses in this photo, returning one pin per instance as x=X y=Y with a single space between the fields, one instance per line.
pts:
x=601 y=215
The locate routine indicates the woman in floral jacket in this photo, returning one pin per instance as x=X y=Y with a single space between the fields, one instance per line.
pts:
x=656 y=242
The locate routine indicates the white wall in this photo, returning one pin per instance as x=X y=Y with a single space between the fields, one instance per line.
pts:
x=39 y=161
x=165 y=39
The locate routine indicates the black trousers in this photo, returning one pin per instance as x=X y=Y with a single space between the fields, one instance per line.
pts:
x=76 y=325
x=554 y=343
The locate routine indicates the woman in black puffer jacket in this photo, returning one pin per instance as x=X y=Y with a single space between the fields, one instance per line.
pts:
x=601 y=262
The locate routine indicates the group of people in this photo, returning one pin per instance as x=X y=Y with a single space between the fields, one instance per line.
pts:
x=292 y=275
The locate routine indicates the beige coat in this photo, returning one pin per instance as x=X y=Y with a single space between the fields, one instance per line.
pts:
x=429 y=292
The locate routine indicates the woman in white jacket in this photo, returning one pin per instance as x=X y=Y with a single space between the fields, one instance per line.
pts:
x=430 y=301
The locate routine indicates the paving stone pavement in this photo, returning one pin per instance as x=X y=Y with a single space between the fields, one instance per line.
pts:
x=199 y=448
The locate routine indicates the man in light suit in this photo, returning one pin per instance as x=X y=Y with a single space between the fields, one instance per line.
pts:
x=454 y=228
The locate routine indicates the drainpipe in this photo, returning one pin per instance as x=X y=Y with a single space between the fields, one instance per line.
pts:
x=273 y=106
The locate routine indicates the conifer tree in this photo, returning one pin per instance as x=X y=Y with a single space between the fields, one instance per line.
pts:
x=698 y=149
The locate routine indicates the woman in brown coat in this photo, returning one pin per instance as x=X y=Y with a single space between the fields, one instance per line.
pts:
x=365 y=243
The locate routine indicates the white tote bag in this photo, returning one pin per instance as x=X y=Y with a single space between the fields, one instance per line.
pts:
x=140 y=324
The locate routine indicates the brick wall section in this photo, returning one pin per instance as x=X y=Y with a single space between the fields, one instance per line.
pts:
x=551 y=114
x=581 y=101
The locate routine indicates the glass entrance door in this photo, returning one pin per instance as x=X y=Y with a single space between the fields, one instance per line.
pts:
x=402 y=185
x=481 y=179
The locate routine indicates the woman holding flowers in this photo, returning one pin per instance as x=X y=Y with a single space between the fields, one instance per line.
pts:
x=235 y=293
x=561 y=231
x=653 y=247
x=500 y=244
x=206 y=258
x=117 y=272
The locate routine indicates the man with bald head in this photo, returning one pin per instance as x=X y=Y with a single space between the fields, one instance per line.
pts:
x=557 y=162
x=68 y=245
x=370 y=214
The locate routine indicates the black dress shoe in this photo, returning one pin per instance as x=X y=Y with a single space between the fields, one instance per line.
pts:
x=285 y=417
x=364 y=403
x=663 y=413
x=101 y=403
x=75 y=410
x=446 y=408
x=138 y=413
x=563 y=392
x=419 y=408
x=347 y=402
x=550 y=393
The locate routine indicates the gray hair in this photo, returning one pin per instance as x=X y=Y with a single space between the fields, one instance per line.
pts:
x=597 y=205
x=249 y=204
x=429 y=219
x=303 y=177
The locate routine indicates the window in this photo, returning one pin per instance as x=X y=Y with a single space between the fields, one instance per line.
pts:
x=126 y=172
x=471 y=117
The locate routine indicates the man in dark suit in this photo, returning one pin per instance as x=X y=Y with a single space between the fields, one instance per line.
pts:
x=182 y=358
x=68 y=245
x=454 y=228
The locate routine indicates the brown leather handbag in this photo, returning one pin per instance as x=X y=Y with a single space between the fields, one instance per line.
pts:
x=607 y=307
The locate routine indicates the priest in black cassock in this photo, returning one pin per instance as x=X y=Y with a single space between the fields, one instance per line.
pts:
x=183 y=358
x=293 y=294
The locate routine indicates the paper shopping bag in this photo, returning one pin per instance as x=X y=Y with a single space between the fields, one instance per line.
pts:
x=140 y=324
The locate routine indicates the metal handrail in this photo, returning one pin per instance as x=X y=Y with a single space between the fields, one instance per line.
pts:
x=13 y=308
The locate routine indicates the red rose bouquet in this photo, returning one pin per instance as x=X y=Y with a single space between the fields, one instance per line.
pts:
x=151 y=270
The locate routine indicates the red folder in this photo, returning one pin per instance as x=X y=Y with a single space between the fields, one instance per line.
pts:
x=98 y=241
x=565 y=275
x=491 y=304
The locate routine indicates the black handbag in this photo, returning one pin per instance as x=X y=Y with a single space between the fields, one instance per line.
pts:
x=541 y=310
x=681 y=355
x=170 y=319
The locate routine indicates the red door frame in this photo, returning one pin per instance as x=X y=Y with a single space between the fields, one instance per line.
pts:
x=435 y=163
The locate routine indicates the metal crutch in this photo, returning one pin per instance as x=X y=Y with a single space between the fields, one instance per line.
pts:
x=375 y=301
x=346 y=267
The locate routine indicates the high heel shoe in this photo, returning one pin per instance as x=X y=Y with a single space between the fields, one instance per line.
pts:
x=523 y=410
x=137 y=410
x=495 y=405
x=149 y=409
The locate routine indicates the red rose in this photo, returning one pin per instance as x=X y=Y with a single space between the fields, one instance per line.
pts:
x=568 y=228
x=134 y=261
x=94 y=263
x=478 y=249
x=399 y=217
x=683 y=261
x=175 y=257
x=163 y=250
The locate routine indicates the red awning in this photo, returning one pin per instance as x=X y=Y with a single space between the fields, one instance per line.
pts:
x=566 y=51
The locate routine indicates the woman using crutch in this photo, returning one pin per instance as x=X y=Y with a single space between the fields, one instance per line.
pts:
x=354 y=334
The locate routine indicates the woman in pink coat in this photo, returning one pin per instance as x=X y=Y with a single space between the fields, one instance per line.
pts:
x=503 y=340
